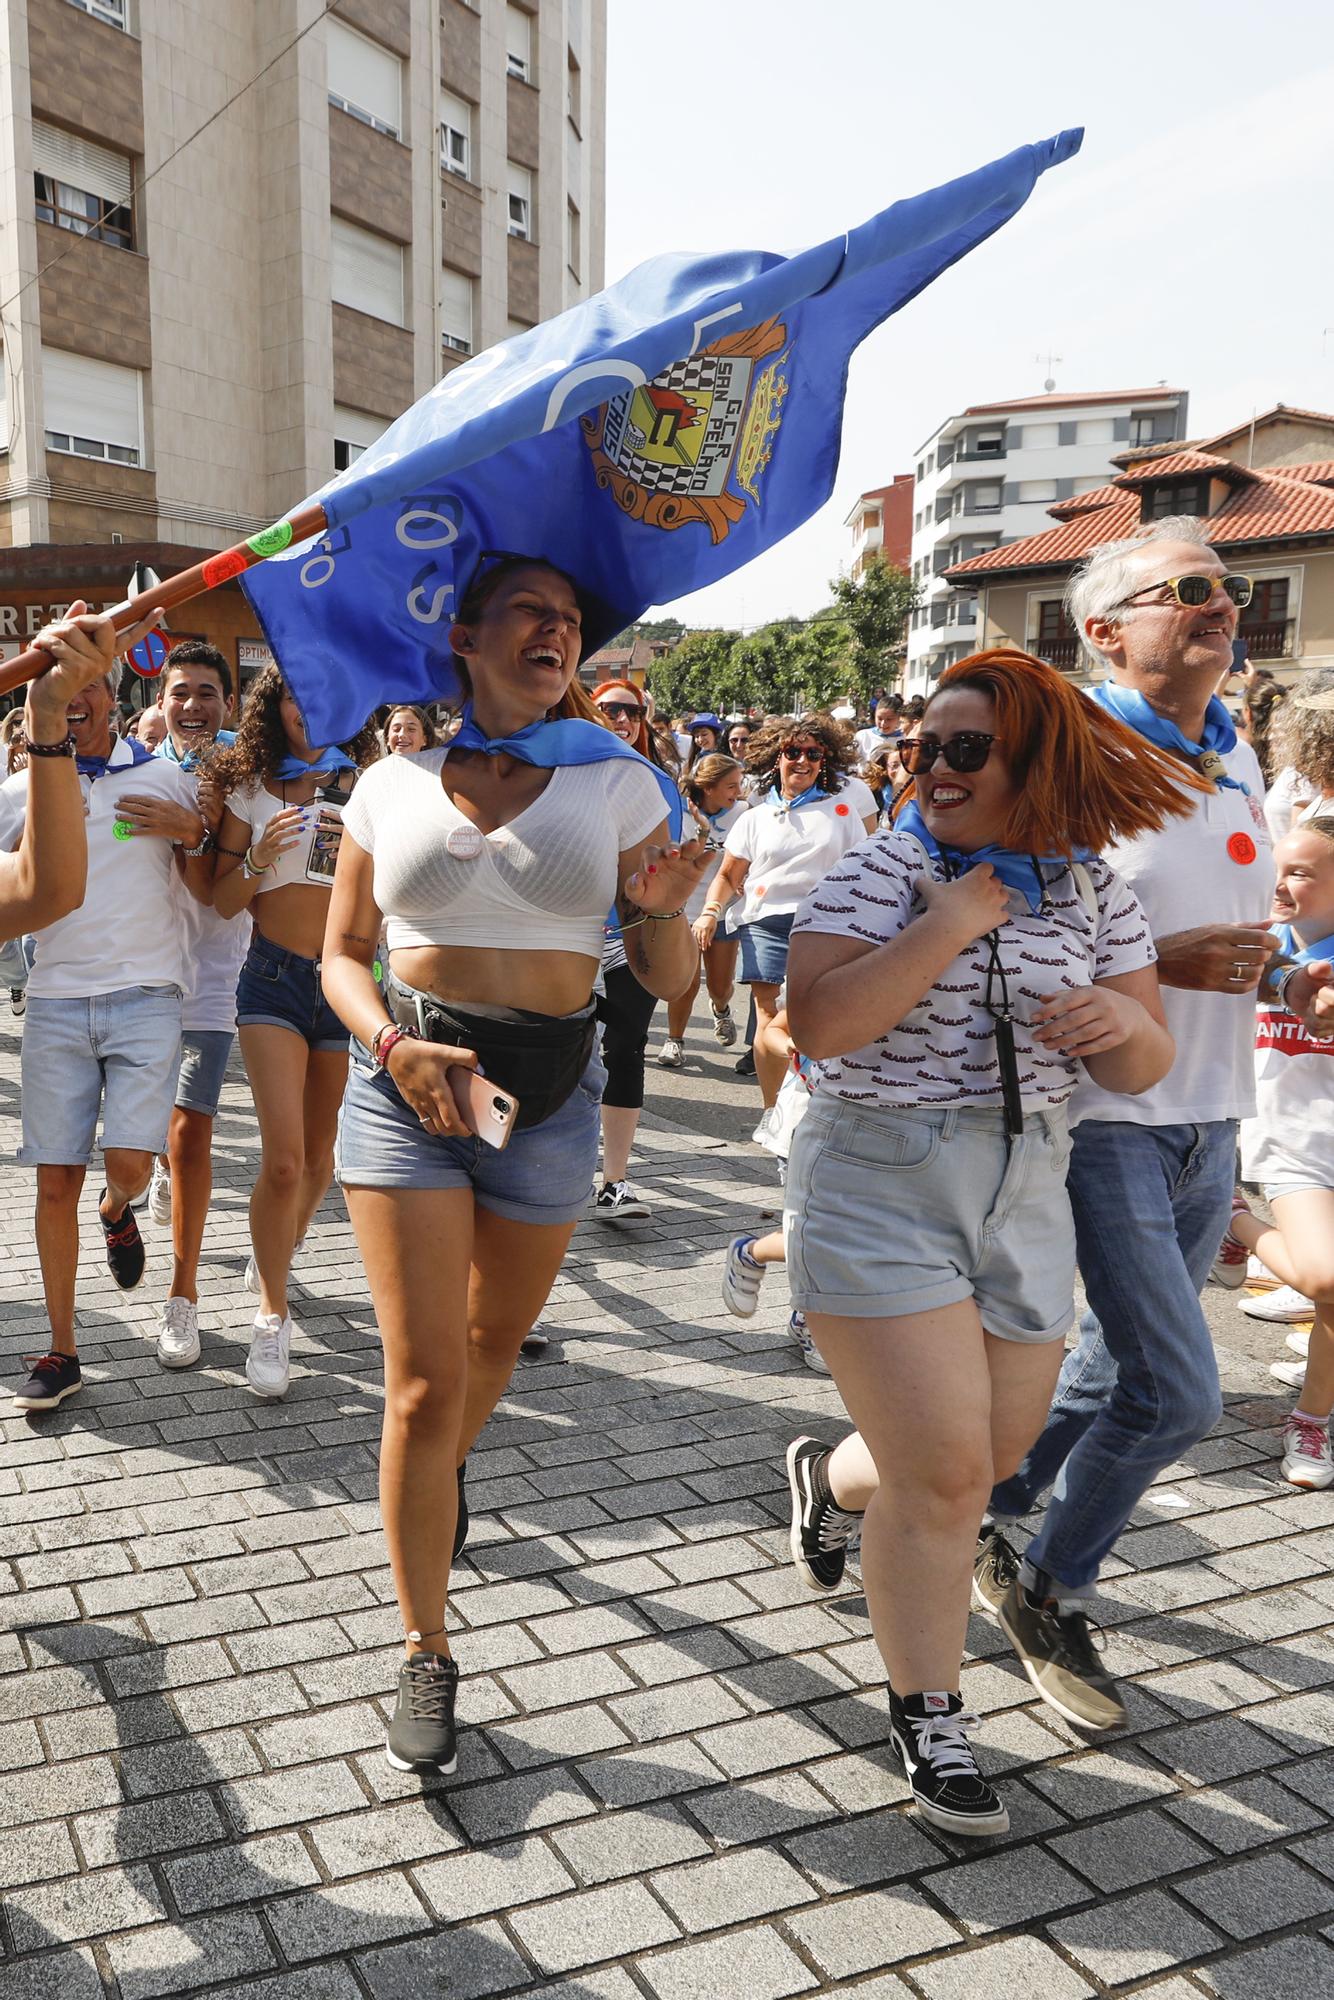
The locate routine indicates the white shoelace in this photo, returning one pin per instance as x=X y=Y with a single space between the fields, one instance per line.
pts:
x=942 y=1742
x=176 y=1315
x=270 y=1343
x=836 y=1527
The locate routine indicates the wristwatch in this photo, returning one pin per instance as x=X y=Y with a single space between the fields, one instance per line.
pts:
x=204 y=846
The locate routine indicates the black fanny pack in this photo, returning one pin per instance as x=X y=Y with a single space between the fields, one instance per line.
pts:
x=538 y=1058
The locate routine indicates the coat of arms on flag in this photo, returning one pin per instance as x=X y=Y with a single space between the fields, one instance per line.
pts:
x=668 y=449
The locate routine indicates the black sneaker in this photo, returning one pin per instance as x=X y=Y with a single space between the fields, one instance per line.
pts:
x=18 y=1001
x=125 y=1247
x=54 y=1376
x=1059 y=1656
x=995 y=1570
x=930 y=1734
x=535 y=1342
x=461 y=1525
x=745 y=1065
x=421 y=1733
x=820 y=1529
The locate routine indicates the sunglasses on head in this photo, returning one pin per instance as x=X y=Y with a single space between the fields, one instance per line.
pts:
x=968 y=751
x=799 y=754
x=1193 y=591
x=624 y=711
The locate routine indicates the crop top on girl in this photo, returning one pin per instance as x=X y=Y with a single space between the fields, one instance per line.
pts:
x=256 y=805
x=543 y=882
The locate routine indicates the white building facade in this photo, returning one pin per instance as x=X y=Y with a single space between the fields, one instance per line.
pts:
x=988 y=475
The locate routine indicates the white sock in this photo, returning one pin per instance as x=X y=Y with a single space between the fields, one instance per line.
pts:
x=1304 y=1417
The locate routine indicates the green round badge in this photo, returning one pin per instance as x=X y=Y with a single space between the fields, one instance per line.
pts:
x=270 y=541
x=123 y=830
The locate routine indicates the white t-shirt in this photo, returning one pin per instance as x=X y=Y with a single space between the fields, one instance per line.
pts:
x=718 y=829
x=943 y=1051
x=1285 y=799
x=789 y=851
x=868 y=741
x=128 y=930
x=215 y=949
x=1291 y=1136
x=543 y=882
x=1214 y=867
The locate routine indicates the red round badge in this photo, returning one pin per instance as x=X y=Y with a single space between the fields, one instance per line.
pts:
x=1241 y=848
x=842 y=811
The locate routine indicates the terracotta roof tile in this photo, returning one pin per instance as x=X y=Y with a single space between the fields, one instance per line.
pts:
x=1180 y=462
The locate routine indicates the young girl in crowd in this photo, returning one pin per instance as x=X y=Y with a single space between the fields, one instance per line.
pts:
x=712 y=794
x=495 y=863
x=294 y=1045
x=949 y=976
x=1288 y=1146
x=408 y=728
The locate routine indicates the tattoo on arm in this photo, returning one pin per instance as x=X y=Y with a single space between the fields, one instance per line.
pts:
x=352 y=937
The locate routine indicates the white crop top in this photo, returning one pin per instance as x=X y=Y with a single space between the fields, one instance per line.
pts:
x=544 y=882
x=257 y=805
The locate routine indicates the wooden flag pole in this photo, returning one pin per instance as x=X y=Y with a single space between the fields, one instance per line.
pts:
x=307 y=521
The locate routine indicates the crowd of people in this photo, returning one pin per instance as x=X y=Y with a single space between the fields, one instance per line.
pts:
x=1026 y=963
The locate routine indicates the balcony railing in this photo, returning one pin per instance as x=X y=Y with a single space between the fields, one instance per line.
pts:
x=1063 y=652
x=1272 y=641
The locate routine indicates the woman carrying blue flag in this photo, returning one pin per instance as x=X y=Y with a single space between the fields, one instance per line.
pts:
x=294 y=1045
x=493 y=863
x=951 y=974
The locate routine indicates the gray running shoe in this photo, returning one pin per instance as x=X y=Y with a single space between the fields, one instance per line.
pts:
x=1057 y=1652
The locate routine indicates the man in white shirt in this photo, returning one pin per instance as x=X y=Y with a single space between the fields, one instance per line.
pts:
x=1151 y=1177
x=888 y=727
x=103 y=1024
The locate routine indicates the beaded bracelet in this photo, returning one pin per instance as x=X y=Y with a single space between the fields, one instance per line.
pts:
x=663 y=917
x=65 y=748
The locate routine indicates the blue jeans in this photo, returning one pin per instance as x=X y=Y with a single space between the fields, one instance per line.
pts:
x=1151 y=1204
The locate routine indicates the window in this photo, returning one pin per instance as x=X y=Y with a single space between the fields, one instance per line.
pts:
x=983 y=497
x=367 y=272
x=520 y=201
x=939 y=613
x=81 y=186
x=93 y=408
x=1037 y=489
x=518 y=43
x=921 y=468
x=1095 y=430
x=455 y=135
x=989 y=443
x=456 y=310
x=1057 y=640
x=574 y=92
x=572 y=236
x=1174 y=496
x=1041 y=437
x=365 y=79
x=1152 y=426
x=354 y=430
x=113 y=12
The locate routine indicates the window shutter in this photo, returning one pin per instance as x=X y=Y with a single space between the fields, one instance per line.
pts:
x=455 y=134
x=357 y=427
x=367 y=272
x=365 y=77
x=92 y=399
x=456 y=309
x=518 y=42
x=79 y=163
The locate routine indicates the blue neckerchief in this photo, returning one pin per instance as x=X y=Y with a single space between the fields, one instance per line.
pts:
x=1301 y=954
x=333 y=759
x=97 y=767
x=1022 y=872
x=810 y=797
x=1129 y=706
x=190 y=762
x=550 y=744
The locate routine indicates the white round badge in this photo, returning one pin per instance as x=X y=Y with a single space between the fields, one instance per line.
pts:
x=463 y=842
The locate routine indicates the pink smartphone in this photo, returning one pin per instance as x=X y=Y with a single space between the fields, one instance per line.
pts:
x=488 y=1111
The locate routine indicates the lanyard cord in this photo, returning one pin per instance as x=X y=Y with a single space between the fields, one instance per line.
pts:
x=1002 y=1025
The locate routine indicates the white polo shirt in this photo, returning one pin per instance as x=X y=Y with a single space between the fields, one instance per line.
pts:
x=789 y=851
x=1214 y=867
x=127 y=931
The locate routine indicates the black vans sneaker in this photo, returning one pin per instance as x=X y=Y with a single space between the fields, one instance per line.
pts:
x=54 y=1376
x=930 y=1734
x=821 y=1530
x=461 y=1524
x=125 y=1247
x=995 y=1570
x=421 y=1734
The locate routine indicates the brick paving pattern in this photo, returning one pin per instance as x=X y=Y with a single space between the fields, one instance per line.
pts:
x=674 y=1779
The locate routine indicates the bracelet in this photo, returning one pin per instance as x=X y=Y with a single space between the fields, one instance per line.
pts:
x=1279 y=985
x=251 y=869
x=65 y=747
x=236 y=853
x=711 y=910
x=387 y=1038
x=665 y=917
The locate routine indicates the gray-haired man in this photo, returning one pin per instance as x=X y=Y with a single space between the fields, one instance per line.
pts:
x=1151 y=1177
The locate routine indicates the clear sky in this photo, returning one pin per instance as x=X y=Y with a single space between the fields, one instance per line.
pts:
x=1189 y=242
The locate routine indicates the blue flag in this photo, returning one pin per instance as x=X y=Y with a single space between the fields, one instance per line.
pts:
x=649 y=441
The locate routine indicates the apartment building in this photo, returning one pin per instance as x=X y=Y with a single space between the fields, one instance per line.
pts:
x=882 y=525
x=238 y=240
x=986 y=477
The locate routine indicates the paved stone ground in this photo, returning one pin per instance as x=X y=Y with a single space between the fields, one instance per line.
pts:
x=674 y=1780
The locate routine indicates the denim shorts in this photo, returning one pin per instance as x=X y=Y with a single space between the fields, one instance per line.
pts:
x=544 y=1174
x=764 y=950
x=280 y=989
x=894 y=1211
x=118 y=1053
x=204 y=1056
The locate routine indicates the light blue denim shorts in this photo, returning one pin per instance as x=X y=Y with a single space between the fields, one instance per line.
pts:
x=204 y=1056
x=118 y=1053
x=895 y=1211
x=544 y=1174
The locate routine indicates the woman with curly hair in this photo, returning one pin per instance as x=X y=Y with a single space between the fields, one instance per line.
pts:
x=275 y=851
x=1301 y=750
x=805 y=817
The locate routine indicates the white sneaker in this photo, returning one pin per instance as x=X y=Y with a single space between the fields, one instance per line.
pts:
x=159 y=1193
x=724 y=1027
x=810 y=1353
x=615 y=1200
x=1306 y=1455
x=1300 y=1341
x=268 y=1367
x=671 y=1055
x=1291 y=1372
x=178 y=1334
x=741 y=1279
x=1283 y=1304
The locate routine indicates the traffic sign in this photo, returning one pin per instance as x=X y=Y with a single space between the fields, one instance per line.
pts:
x=148 y=656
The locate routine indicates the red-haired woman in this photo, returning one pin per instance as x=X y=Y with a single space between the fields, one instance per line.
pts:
x=951 y=975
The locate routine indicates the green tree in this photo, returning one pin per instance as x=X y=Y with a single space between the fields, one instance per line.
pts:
x=875 y=608
x=698 y=673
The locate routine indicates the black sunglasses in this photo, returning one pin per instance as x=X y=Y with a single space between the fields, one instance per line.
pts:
x=968 y=751
x=801 y=755
x=624 y=711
